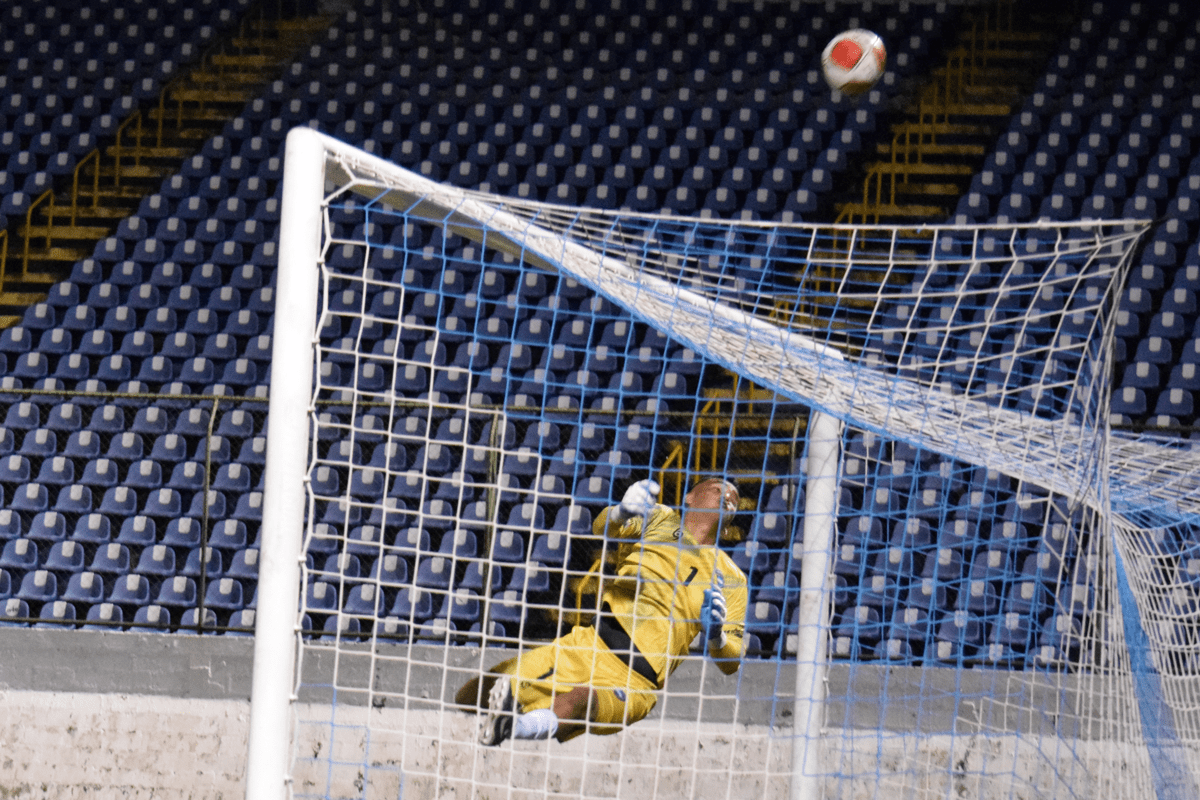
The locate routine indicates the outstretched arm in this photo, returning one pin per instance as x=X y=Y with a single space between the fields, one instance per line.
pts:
x=639 y=500
x=723 y=624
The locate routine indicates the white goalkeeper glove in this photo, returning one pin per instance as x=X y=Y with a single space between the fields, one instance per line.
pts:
x=712 y=613
x=639 y=500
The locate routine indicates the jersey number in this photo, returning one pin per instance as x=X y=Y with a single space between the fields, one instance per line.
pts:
x=688 y=580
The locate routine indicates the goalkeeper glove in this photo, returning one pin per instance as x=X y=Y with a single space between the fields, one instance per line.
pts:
x=639 y=500
x=712 y=613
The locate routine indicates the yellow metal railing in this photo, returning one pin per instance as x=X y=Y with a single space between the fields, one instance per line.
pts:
x=47 y=195
x=671 y=471
x=935 y=106
x=118 y=146
x=93 y=156
x=255 y=19
x=3 y=257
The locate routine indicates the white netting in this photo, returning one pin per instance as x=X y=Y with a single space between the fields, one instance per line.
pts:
x=972 y=368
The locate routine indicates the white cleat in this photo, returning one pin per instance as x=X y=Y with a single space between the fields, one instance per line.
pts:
x=498 y=723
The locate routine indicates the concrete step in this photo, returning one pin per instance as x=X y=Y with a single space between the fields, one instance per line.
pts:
x=208 y=96
x=13 y=299
x=929 y=189
x=230 y=80
x=886 y=212
x=68 y=232
x=245 y=61
x=922 y=150
x=931 y=128
x=149 y=152
x=900 y=168
x=56 y=254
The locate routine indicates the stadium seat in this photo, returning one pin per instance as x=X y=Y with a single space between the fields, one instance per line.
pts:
x=156 y=561
x=84 y=588
x=103 y=616
x=203 y=562
x=860 y=624
x=243 y=565
x=130 y=590
x=15 y=469
x=92 y=528
x=30 y=498
x=151 y=618
x=910 y=623
x=65 y=557
x=412 y=605
x=753 y=558
x=508 y=546
x=144 y=475
x=48 y=526
x=225 y=593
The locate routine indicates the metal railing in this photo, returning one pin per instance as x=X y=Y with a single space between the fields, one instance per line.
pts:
x=118 y=145
x=45 y=197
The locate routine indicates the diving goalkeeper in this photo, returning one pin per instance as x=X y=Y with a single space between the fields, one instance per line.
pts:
x=672 y=583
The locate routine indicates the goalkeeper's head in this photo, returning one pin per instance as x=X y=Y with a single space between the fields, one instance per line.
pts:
x=715 y=501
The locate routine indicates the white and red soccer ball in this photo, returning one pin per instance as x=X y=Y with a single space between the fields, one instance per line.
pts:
x=854 y=61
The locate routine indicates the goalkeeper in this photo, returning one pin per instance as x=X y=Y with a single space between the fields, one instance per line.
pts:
x=672 y=583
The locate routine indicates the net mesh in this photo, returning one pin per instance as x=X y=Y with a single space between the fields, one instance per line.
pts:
x=1013 y=588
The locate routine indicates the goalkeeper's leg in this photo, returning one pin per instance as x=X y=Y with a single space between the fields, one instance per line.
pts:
x=557 y=689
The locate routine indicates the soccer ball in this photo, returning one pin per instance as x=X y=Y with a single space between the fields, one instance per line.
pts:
x=853 y=61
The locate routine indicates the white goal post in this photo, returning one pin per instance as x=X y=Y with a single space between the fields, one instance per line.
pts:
x=933 y=500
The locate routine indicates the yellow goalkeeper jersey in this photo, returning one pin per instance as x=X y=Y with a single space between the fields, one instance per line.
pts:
x=658 y=589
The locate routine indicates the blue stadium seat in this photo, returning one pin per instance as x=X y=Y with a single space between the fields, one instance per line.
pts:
x=30 y=498
x=57 y=612
x=110 y=559
x=19 y=554
x=127 y=446
x=41 y=442
x=84 y=588
x=151 y=618
x=225 y=593
x=243 y=565
x=412 y=605
x=958 y=634
x=390 y=570
x=137 y=531
x=130 y=590
x=363 y=600
x=186 y=476
x=1063 y=633
x=13 y=609
x=157 y=560
x=162 y=503
x=910 y=623
x=146 y=474
x=177 y=592
x=23 y=416
x=508 y=546
x=92 y=528
x=104 y=616
x=860 y=624
x=1174 y=402
x=15 y=468
x=52 y=525
x=206 y=561
x=753 y=558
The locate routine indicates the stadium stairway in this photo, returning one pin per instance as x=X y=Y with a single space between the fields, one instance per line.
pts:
x=150 y=144
x=951 y=122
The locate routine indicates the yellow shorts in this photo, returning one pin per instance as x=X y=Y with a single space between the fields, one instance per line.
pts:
x=580 y=659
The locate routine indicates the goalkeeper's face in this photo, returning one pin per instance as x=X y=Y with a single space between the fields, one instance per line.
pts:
x=714 y=495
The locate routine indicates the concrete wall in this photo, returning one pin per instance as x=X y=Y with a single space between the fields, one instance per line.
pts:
x=92 y=715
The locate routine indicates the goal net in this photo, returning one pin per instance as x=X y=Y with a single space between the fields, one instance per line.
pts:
x=959 y=580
